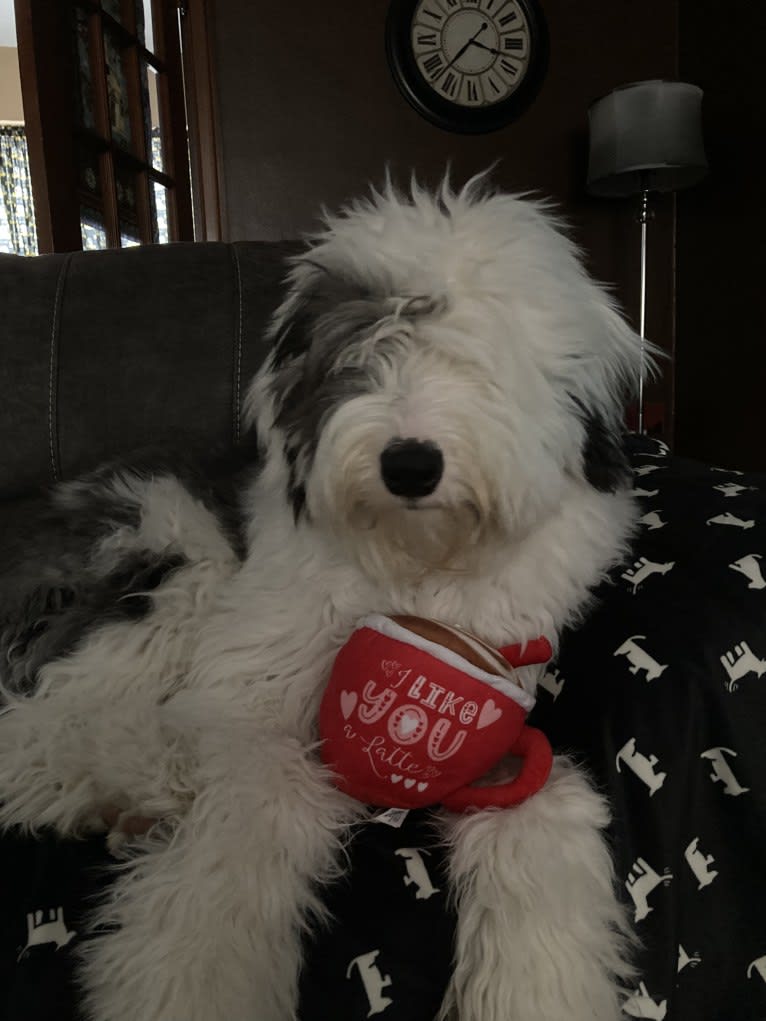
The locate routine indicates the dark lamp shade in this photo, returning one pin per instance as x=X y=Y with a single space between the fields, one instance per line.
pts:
x=646 y=136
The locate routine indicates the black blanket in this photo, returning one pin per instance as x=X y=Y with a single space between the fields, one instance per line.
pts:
x=662 y=692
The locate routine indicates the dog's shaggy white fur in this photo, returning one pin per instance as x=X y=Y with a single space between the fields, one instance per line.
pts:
x=462 y=320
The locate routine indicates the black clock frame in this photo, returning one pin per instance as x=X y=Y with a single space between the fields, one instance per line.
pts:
x=440 y=111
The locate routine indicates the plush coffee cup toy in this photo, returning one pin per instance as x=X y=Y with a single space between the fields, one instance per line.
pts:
x=415 y=711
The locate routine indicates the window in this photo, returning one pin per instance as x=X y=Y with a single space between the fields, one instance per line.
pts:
x=17 y=216
x=103 y=85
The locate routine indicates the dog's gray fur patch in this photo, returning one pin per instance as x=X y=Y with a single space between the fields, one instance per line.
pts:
x=605 y=460
x=53 y=592
x=312 y=354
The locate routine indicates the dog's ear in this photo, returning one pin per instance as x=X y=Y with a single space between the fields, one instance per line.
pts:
x=293 y=338
x=605 y=459
x=604 y=384
x=605 y=462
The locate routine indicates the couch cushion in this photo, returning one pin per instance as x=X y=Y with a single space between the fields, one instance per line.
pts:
x=107 y=352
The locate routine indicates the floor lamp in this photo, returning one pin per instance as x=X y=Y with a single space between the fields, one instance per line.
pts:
x=645 y=137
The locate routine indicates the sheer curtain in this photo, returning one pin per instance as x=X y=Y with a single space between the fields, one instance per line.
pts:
x=17 y=211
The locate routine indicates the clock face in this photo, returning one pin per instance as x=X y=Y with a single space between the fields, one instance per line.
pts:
x=467 y=65
x=472 y=53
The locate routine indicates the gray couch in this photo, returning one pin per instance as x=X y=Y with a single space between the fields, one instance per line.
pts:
x=103 y=354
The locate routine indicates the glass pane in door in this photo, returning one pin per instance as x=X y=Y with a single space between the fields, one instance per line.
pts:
x=117 y=90
x=83 y=73
x=162 y=235
x=92 y=228
x=151 y=103
x=144 y=23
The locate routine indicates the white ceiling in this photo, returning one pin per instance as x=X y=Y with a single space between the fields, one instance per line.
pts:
x=7 y=24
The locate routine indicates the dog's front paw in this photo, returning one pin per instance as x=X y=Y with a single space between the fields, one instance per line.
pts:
x=160 y=814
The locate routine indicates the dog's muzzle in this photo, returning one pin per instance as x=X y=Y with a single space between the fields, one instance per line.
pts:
x=411 y=468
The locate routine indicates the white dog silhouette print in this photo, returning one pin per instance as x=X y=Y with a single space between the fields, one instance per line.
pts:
x=553 y=682
x=643 y=569
x=47 y=926
x=739 y=662
x=642 y=880
x=685 y=960
x=374 y=983
x=417 y=873
x=639 y=658
x=732 y=488
x=757 y=967
x=641 y=1004
x=641 y=765
x=731 y=520
x=722 y=772
x=698 y=863
x=749 y=566
x=653 y=521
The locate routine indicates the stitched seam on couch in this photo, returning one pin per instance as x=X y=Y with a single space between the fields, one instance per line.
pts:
x=53 y=370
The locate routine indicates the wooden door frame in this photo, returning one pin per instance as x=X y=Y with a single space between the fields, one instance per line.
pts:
x=45 y=64
x=53 y=166
x=197 y=19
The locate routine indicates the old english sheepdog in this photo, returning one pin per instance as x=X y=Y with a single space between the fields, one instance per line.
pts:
x=439 y=422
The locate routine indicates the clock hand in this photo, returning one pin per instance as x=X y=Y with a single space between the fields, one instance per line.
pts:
x=471 y=41
x=490 y=49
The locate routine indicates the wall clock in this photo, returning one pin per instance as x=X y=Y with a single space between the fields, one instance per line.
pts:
x=467 y=65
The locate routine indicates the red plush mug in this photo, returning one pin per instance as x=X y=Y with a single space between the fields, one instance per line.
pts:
x=407 y=721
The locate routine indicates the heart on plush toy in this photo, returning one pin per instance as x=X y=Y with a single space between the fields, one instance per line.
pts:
x=348 y=700
x=415 y=711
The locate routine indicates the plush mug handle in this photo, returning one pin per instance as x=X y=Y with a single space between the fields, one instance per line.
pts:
x=533 y=747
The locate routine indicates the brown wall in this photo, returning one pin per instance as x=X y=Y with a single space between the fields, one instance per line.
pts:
x=10 y=85
x=309 y=114
x=722 y=241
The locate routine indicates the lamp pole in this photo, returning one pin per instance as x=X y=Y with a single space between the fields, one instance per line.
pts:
x=645 y=137
x=643 y=219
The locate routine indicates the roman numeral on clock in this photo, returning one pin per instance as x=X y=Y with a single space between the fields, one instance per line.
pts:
x=471 y=91
x=434 y=65
x=433 y=14
x=512 y=43
x=426 y=39
x=449 y=85
x=508 y=66
x=508 y=18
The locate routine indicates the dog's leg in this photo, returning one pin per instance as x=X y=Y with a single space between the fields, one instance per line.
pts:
x=208 y=925
x=67 y=757
x=94 y=734
x=541 y=935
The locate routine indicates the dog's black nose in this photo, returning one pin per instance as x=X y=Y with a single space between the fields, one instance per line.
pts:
x=411 y=468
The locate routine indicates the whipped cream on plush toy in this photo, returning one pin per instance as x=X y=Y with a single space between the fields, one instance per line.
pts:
x=415 y=711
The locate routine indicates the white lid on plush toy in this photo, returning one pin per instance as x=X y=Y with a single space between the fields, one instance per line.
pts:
x=503 y=683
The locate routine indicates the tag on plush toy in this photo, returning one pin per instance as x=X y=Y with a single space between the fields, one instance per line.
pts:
x=415 y=711
x=391 y=817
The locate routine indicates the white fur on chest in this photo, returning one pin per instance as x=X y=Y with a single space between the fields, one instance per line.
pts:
x=282 y=618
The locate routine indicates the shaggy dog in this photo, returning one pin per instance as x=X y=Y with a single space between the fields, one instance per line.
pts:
x=439 y=420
